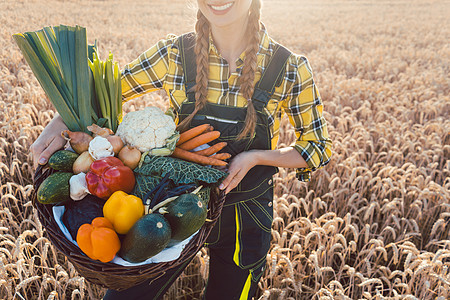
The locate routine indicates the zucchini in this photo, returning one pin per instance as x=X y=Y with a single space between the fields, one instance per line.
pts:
x=62 y=160
x=148 y=236
x=55 y=188
x=186 y=215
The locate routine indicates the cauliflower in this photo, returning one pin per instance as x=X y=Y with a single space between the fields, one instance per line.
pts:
x=146 y=129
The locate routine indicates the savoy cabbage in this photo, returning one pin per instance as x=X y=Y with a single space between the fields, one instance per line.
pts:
x=154 y=168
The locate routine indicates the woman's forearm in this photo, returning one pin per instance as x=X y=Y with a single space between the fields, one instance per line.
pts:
x=285 y=158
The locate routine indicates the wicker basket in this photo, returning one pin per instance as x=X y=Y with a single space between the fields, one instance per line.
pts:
x=110 y=275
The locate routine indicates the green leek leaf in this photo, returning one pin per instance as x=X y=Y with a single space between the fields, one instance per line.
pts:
x=91 y=50
x=41 y=49
x=63 y=42
x=73 y=65
x=118 y=100
x=109 y=79
x=99 y=93
x=102 y=122
x=82 y=69
x=68 y=115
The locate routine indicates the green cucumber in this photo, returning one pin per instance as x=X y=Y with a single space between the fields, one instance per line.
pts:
x=148 y=236
x=55 y=188
x=186 y=215
x=62 y=160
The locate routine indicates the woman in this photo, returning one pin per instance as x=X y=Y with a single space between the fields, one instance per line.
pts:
x=232 y=75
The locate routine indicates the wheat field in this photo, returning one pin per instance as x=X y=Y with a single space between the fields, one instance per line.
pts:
x=373 y=224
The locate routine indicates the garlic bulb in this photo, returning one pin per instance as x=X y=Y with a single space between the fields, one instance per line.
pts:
x=78 y=186
x=100 y=147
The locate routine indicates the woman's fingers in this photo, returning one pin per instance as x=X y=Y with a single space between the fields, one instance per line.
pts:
x=236 y=173
x=48 y=142
x=44 y=147
x=56 y=144
x=239 y=167
x=231 y=174
x=235 y=181
x=37 y=148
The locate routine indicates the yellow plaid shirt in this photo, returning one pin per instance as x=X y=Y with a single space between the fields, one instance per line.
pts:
x=160 y=67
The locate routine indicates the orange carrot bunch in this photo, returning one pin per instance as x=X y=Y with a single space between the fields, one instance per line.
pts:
x=195 y=137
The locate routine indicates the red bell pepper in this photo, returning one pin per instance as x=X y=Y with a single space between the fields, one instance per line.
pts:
x=108 y=175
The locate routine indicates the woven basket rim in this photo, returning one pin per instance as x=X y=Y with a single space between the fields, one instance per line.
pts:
x=111 y=275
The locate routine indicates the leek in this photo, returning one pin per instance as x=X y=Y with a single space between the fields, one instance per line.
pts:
x=108 y=89
x=83 y=89
x=66 y=111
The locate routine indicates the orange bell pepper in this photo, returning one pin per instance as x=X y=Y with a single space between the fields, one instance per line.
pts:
x=123 y=210
x=98 y=240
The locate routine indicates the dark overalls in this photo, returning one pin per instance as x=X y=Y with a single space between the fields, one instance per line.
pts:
x=240 y=240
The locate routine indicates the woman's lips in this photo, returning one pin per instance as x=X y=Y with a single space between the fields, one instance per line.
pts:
x=221 y=9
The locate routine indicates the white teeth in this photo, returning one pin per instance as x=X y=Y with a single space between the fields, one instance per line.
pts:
x=223 y=7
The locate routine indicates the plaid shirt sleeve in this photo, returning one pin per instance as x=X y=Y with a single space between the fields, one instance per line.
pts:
x=148 y=72
x=303 y=106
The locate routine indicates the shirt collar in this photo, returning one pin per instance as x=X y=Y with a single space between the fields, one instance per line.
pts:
x=264 y=44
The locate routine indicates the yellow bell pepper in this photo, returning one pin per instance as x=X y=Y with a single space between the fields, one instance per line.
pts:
x=123 y=210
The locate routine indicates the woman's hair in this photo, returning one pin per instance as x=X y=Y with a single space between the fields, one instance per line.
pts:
x=248 y=72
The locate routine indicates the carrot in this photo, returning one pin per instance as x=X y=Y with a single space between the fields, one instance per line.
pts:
x=193 y=132
x=213 y=149
x=196 y=158
x=200 y=140
x=221 y=156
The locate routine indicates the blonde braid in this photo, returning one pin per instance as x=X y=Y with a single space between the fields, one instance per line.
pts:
x=250 y=67
x=202 y=60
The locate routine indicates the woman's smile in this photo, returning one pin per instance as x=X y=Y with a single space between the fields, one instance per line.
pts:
x=221 y=9
x=225 y=13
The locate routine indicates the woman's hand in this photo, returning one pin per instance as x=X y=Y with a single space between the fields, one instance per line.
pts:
x=285 y=158
x=48 y=142
x=238 y=168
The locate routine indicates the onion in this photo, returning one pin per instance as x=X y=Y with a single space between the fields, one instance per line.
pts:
x=130 y=156
x=79 y=141
x=99 y=131
x=82 y=163
x=116 y=142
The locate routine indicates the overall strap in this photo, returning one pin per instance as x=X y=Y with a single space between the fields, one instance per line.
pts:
x=188 y=60
x=272 y=77
x=265 y=87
